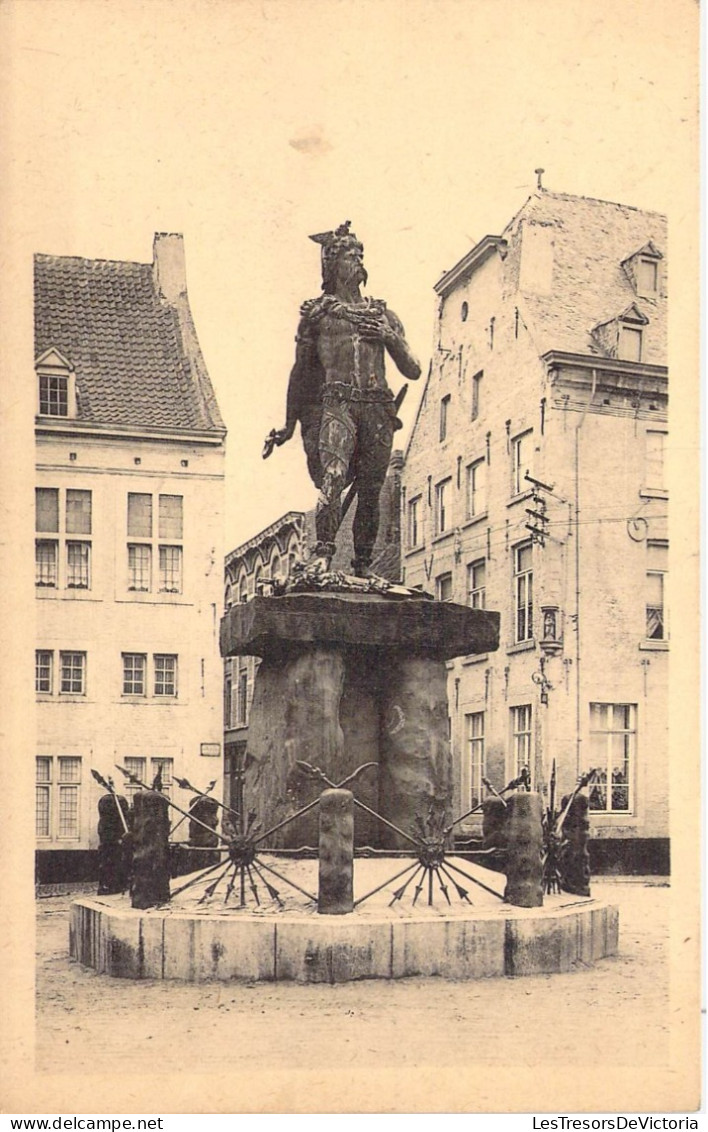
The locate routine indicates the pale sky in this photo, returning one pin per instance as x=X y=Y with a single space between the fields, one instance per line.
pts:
x=249 y=125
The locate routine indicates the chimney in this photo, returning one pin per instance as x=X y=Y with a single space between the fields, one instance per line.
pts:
x=168 y=265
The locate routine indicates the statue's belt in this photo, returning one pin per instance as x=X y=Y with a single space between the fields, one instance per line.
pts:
x=342 y=391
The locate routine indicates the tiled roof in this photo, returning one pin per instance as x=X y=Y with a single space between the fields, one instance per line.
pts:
x=123 y=341
x=591 y=239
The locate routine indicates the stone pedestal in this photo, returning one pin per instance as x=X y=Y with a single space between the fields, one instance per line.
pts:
x=347 y=679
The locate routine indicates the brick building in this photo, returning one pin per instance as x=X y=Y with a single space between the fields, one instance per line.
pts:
x=534 y=485
x=271 y=554
x=129 y=490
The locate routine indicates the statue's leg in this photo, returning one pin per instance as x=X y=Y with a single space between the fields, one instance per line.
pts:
x=376 y=429
x=337 y=439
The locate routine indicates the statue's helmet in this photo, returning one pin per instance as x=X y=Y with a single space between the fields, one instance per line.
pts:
x=333 y=244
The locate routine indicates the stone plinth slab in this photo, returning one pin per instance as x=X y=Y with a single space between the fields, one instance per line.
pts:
x=158 y=944
x=267 y=626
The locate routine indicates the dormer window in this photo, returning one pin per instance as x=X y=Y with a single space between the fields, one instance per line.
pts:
x=643 y=269
x=56 y=386
x=622 y=337
x=647 y=276
x=629 y=344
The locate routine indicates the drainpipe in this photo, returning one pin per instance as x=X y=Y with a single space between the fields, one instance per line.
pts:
x=578 y=741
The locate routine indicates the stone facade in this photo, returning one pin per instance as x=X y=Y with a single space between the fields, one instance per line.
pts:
x=130 y=452
x=550 y=358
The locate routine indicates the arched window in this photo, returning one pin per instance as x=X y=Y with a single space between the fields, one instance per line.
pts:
x=275 y=566
x=228 y=596
x=243 y=588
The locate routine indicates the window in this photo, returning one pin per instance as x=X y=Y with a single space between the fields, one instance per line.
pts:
x=139 y=567
x=657 y=566
x=275 y=567
x=168 y=554
x=414 y=531
x=442 y=497
x=135 y=765
x=654 y=458
x=443 y=587
x=476 y=394
x=521 y=453
x=228 y=700
x=78 y=512
x=444 y=406
x=46 y=554
x=647 y=276
x=44 y=671
x=74 y=519
x=476 y=502
x=521 y=739
x=165 y=768
x=243 y=589
x=57 y=803
x=47 y=509
x=242 y=698
x=68 y=786
x=476 y=592
x=523 y=592
x=134 y=666
x=139 y=514
x=73 y=673
x=170 y=569
x=77 y=565
x=53 y=395
x=170 y=517
x=475 y=755
x=43 y=792
x=165 y=674
x=613 y=733
x=629 y=346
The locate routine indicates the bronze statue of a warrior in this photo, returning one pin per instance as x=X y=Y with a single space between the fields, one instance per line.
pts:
x=338 y=393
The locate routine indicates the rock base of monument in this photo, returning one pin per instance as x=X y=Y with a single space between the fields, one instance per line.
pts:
x=458 y=941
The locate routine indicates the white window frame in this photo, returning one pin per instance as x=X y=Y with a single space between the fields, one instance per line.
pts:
x=477 y=594
x=655 y=570
x=443 y=582
x=523 y=595
x=159 y=539
x=41 y=665
x=442 y=508
x=162 y=661
x=476 y=488
x=609 y=732
x=522 y=753
x=64 y=539
x=476 y=756
x=130 y=669
x=56 y=787
x=71 y=666
x=520 y=461
x=414 y=521
x=242 y=698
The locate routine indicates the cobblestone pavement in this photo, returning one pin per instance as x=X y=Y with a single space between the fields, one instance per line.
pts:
x=614 y=1013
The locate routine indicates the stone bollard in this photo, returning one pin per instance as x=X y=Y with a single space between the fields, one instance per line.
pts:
x=574 y=862
x=151 y=864
x=113 y=845
x=524 y=863
x=336 y=853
